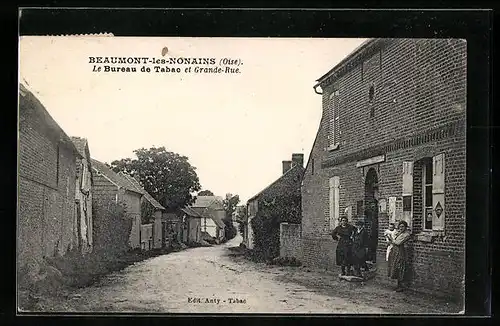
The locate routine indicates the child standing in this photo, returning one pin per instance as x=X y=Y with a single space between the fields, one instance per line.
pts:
x=389 y=237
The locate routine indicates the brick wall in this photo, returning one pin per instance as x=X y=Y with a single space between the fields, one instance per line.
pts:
x=290 y=240
x=46 y=192
x=418 y=111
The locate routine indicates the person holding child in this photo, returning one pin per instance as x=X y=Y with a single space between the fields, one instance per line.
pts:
x=398 y=255
x=389 y=236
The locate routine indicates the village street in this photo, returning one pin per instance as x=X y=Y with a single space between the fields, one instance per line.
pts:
x=182 y=282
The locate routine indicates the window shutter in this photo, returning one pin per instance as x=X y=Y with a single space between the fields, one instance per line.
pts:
x=407 y=178
x=336 y=118
x=438 y=184
x=334 y=201
x=331 y=119
x=84 y=176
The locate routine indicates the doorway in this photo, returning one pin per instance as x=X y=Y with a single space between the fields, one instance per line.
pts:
x=371 y=212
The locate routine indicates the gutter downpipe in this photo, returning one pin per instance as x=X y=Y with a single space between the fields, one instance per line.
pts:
x=315 y=87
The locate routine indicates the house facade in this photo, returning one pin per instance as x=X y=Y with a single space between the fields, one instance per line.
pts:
x=279 y=202
x=211 y=209
x=46 y=184
x=391 y=147
x=151 y=233
x=191 y=225
x=83 y=196
x=111 y=187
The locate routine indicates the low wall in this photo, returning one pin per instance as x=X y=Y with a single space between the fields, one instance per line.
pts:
x=290 y=240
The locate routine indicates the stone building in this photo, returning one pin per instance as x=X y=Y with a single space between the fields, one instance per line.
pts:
x=391 y=146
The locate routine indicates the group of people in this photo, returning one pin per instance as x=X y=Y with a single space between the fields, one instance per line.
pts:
x=352 y=249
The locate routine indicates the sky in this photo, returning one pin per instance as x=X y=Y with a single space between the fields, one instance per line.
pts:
x=236 y=129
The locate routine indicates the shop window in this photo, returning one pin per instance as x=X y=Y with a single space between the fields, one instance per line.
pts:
x=427 y=193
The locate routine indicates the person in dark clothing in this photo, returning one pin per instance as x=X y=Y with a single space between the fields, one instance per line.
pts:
x=360 y=244
x=343 y=234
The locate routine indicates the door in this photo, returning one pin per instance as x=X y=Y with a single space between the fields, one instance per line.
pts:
x=371 y=212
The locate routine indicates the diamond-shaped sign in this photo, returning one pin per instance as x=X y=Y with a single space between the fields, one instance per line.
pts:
x=438 y=209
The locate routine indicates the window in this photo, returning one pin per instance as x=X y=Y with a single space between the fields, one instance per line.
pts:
x=427 y=193
x=334 y=127
x=334 y=186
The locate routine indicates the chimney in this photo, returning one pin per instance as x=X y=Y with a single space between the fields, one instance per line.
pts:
x=298 y=159
x=287 y=165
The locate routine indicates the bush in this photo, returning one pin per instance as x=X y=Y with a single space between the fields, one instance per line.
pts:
x=230 y=230
x=286 y=261
x=266 y=224
x=111 y=230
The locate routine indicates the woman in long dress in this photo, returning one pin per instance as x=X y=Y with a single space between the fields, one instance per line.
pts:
x=398 y=256
x=343 y=233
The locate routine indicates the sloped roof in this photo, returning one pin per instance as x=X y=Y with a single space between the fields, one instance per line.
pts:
x=29 y=103
x=218 y=221
x=138 y=186
x=206 y=201
x=80 y=144
x=114 y=177
x=295 y=169
x=191 y=212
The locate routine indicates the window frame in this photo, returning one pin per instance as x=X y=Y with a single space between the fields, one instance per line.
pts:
x=333 y=121
x=425 y=165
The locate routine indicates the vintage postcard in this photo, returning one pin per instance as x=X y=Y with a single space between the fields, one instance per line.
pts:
x=241 y=175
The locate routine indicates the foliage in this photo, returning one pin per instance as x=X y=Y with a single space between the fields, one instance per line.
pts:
x=230 y=229
x=230 y=203
x=286 y=261
x=166 y=176
x=266 y=223
x=205 y=193
x=111 y=229
x=241 y=228
x=147 y=212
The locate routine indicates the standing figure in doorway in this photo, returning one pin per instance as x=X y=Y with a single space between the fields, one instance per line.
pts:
x=359 y=248
x=343 y=234
x=398 y=256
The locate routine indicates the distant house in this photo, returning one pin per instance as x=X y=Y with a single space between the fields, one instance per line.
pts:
x=211 y=209
x=111 y=187
x=191 y=225
x=151 y=233
x=83 y=196
x=282 y=193
x=46 y=184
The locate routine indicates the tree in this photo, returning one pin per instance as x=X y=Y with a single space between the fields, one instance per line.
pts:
x=230 y=203
x=205 y=193
x=166 y=176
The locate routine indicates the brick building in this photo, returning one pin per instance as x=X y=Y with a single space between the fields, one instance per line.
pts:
x=46 y=184
x=278 y=202
x=391 y=146
x=109 y=187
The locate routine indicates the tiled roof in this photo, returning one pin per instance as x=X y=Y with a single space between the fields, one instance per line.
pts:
x=205 y=201
x=218 y=220
x=28 y=102
x=191 y=212
x=115 y=178
x=295 y=169
x=80 y=144
x=138 y=186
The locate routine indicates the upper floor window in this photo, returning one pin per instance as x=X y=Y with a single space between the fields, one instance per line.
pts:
x=333 y=121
